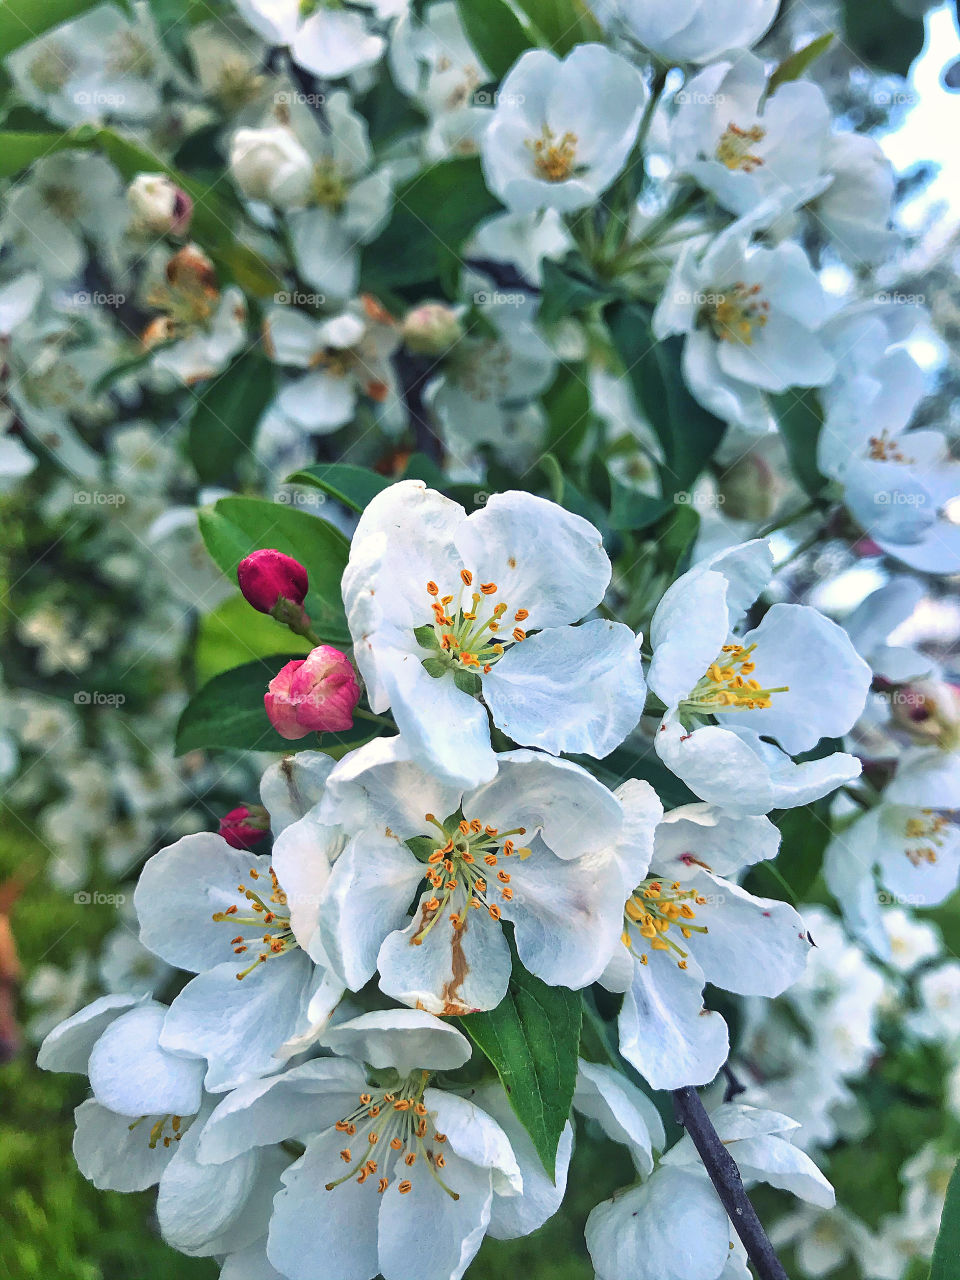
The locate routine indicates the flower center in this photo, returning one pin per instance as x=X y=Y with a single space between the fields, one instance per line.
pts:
x=555 y=160
x=157 y=1130
x=924 y=834
x=461 y=872
x=651 y=911
x=737 y=313
x=329 y=187
x=387 y=1133
x=728 y=685
x=270 y=917
x=884 y=449
x=733 y=149
x=465 y=631
x=52 y=68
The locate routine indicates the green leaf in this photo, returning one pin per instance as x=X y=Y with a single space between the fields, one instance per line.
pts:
x=804 y=835
x=882 y=35
x=19 y=150
x=794 y=66
x=24 y=20
x=632 y=510
x=800 y=419
x=227 y=414
x=561 y=24
x=567 y=405
x=496 y=33
x=233 y=527
x=675 y=540
x=234 y=633
x=688 y=433
x=228 y=712
x=532 y=1039
x=433 y=214
x=426 y=636
x=569 y=286
x=945 y=1264
x=353 y=486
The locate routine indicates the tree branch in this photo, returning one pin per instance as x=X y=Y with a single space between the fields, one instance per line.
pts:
x=725 y=1176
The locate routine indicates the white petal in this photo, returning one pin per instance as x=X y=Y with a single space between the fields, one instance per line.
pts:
x=131 y=1074
x=379 y=785
x=406 y=1039
x=541 y=557
x=691 y=625
x=68 y=1046
x=300 y=1102
x=369 y=895
x=665 y=1032
x=624 y=1113
x=453 y=971
x=239 y=1026
x=575 y=689
x=113 y=1156
x=671 y=1228
x=701 y=833
x=293 y=786
x=301 y=856
x=573 y=811
x=778 y=1162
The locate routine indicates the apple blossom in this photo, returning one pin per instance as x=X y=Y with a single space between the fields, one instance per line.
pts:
x=693 y=30
x=528 y=850
x=440 y=605
x=700 y=669
x=268 y=577
x=562 y=129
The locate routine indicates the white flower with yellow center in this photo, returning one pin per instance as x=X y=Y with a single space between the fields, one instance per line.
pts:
x=691 y=30
x=561 y=131
x=444 y=608
x=395 y=1167
x=796 y=679
x=528 y=848
x=683 y=925
x=261 y=992
x=745 y=147
x=750 y=317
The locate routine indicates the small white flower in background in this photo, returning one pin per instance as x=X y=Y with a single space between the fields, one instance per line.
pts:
x=692 y=30
x=685 y=924
x=99 y=66
x=938 y=1017
x=855 y=209
x=330 y=42
x=562 y=130
x=344 y=356
x=67 y=201
x=199 y=328
x=796 y=678
x=322 y=176
x=499 y=363
x=523 y=240
x=750 y=319
x=911 y=941
x=745 y=147
x=440 y=605
x=872 y=624
x=261 y=991
x=383 y=1158
x=527 y=847
x=823 y=1240
x=673 y=1226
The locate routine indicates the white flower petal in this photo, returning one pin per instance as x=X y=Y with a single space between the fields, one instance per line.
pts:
x=380 y=785
x=624 y=1113
x=159 y=1083
x=406 y=1039
x=113 y=1156
x=292 y=786
x=68 y=1046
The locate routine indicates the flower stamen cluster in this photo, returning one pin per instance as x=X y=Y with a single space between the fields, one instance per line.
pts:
x=275 y=942
x=650 y=912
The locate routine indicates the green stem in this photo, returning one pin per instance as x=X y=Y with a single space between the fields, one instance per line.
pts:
x=372 y=716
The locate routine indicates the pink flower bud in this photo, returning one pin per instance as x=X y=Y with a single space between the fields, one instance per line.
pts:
x=314 y=694
x=245 y=826
x=267 y=577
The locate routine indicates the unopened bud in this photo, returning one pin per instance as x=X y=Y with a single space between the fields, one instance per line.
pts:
x=316 y=694
x=272 y=166
x=749 y=489
x=245 y=826
x=159 y=205
x=431 y=329
x=268 y=577
x=929 y=711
